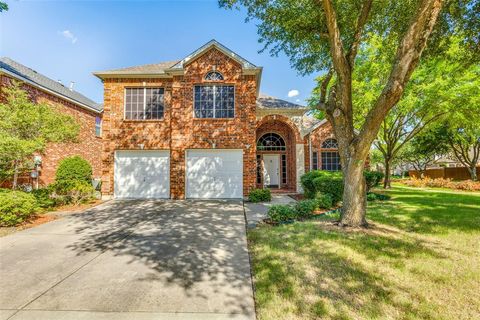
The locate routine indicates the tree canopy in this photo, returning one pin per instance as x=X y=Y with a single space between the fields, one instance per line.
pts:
x=326 y=36
x=26 y=127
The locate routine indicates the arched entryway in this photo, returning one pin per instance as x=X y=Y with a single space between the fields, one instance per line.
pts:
x=276 y=154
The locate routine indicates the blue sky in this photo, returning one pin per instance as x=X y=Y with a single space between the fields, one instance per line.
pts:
x=68 y=40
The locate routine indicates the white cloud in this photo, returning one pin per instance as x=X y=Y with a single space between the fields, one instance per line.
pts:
x=297 y=100
x=67 y=34
x=293 y=93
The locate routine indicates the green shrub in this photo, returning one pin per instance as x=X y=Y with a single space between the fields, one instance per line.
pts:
x=307 y=183
x=75 y=192
x=74 y=168
x=331 y=183
x=371 y=196
x=281 y=213
x=305 y=208
x=324 y=201
x=43 y=197
x=16 y=207
x=260 y=195
x=372 y=179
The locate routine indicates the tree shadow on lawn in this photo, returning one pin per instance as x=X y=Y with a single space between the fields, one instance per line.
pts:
x=183 y=243
x=428 y=212
x=322 y=272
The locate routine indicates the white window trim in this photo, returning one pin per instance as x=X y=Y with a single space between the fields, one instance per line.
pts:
x=144 y=103
x=215 y=85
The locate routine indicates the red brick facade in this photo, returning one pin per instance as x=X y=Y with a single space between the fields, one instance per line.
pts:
x=179 y=130
x=88 y=146
x=284 y=127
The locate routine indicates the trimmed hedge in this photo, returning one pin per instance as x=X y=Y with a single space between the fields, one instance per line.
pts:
x=324 y=201
x=74 y=168
x=331 y=182
x=281 y=213
x=16 y=207
x=260 y=195
x=305 y=208
x=307 y=183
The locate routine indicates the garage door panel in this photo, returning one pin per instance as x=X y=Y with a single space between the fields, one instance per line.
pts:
x=142 y=174
x=214 y=174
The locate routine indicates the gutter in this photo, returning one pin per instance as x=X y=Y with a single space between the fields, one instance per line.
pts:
x=16 y=76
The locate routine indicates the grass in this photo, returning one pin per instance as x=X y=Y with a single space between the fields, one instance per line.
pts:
x=419 y=260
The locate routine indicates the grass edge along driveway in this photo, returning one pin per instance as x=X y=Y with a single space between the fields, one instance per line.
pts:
x=419 y=260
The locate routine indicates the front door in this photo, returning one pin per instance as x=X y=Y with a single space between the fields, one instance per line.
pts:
x=271 y=170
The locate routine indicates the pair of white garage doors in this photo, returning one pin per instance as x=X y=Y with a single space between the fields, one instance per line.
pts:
x=213 y=173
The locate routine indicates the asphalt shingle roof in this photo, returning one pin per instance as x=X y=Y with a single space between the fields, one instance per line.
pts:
x=269 y=102
x=154 y=68
x=27 y=74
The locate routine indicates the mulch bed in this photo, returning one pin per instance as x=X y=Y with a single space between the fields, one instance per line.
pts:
x=48 y=216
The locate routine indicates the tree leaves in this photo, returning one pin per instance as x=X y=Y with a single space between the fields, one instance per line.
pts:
x=26 y=127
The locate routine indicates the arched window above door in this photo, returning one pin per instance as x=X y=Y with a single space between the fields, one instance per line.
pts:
x=271 y=142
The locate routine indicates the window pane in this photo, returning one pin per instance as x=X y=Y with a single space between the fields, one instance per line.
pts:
x=331 y=161
x=134 y=103
x=154 y=103
x=214 y=102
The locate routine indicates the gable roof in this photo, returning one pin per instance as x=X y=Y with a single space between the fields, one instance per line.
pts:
x=32 y=77
x=268 y=102
x=210 y=44
x=167 y=68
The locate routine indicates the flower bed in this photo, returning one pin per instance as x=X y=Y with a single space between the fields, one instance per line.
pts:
x=467 y=185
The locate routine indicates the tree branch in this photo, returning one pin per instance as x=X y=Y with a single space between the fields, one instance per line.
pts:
x=323 y=88
x=407 y=57
x=340 y=63
x=361 y=21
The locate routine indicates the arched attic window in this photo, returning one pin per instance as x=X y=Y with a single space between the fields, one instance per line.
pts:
x=214 y=76
x=271 y=142
x=330 y=144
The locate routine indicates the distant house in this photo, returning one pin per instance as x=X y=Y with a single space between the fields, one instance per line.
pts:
x=199 y=128
x=85 y=111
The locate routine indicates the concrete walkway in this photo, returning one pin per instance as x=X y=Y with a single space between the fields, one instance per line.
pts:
x=256 y=212
x=131 y=260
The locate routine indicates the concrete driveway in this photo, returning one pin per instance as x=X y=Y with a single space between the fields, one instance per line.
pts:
x=131 y=260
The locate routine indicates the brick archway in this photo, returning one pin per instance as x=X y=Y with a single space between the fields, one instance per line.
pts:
x=281 y=119
x=287 y=130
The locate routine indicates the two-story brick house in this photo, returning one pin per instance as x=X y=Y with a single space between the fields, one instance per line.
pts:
x=198 y=128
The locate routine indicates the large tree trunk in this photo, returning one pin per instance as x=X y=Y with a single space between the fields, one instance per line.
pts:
x=473 y=172
x=386 y=181
x=354 y=194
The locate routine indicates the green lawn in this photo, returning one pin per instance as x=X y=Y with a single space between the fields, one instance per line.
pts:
x=419 y=260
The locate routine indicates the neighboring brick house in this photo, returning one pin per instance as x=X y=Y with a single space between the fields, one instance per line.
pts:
x=198 y=128
x=85 y=111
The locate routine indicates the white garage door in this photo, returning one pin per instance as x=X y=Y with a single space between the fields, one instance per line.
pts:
x=142 y=174
x=214 y=174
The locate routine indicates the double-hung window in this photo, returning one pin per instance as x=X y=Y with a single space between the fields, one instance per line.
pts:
x=214 y=101
x=144 y=103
